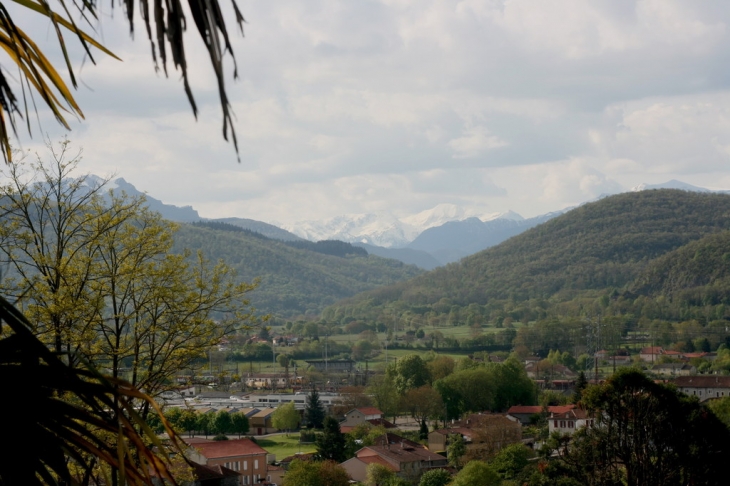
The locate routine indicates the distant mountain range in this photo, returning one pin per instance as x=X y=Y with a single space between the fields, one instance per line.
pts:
x=431 y=238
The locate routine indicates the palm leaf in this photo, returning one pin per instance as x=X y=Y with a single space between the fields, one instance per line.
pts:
x=170 y=27
x=73 y=420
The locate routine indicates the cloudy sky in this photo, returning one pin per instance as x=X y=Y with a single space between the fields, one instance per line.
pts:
x=399 y=105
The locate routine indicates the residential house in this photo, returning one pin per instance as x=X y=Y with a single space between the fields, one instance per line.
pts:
x=408 y=459
x=651 y=354
x=537 y=370
x=524 y=413
x=674 y=369
x=704 y=386
x=243 y=456
x=569 y=421
x=369 y=415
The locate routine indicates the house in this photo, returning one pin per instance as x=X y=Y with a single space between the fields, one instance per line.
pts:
x=674 y=369
x=550 y=371
x=274 y=474
x=243 y=456
x=524 y=413
x=356 y=467
x=260 y=422
x=651 y=354
x=409 y=460
x=369 y=415
x=704 y=386
x=207 y=476
x=569 y=421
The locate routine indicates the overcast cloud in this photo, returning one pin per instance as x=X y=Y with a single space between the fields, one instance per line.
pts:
x=394 y=105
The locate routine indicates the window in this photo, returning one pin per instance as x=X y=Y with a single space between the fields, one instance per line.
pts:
x=245 y=479
x=245 y=465
x=555 y=424
x=255 y=463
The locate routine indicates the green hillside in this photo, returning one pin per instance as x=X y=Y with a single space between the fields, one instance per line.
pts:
x=293 y=280
x=596 y=248
x=696 y=272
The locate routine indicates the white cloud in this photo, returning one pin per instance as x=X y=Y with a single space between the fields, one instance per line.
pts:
x=475 y=142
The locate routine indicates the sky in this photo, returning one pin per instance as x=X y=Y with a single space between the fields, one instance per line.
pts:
x=359 y=107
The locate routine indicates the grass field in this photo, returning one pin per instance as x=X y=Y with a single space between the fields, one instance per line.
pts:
x=284 y=446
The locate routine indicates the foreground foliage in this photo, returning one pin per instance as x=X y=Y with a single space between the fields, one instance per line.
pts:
x=77 y=426
x=645 y=433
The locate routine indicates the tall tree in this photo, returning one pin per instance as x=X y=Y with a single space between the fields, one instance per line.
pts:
x=94 y=272
x=314 y=410
x=320 y=473
x=476 y=473
x=385 y=395
x=647 y=433
x=408 y=372
x=285 y=417
x=239 y=423
x=331 y=442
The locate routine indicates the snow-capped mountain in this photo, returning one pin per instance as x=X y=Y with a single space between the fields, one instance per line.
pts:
x=386 y=230
x=673 y=184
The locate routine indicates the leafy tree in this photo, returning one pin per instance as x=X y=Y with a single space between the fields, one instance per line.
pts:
x=435 y=477
x=422 y=403
x=99 y=282
x=314 y=410
x=647 y=433
x=379 y=475
x=511 y=460
x=204 y=423
x=408 y=372
x=476 y=473
x=222 y=423
x=311 y=473
x=331 y=443
x=385 y=395
x=189 y=420
x=285 y=417
x=456 y=449
x=239 y=424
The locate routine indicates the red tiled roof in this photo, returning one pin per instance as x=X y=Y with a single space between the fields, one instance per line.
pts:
x=652 y=350
x=216 y=449
x=576 y=413
x=369 y=411
x=703 y=381
x=538 y=409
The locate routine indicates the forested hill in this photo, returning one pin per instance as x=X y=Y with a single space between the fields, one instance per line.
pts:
x=699 y=270
x=294 y=280
x=604 y=244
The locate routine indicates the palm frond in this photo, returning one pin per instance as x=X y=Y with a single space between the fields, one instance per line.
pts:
x=75 y=424
x=165 y=17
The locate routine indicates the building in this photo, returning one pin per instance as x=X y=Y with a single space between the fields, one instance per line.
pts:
x=408 y=459
x=651 y=354
x=674 y=369
x=260 y=422
x=364 y=415
x=524 y=413
x=240 y=455
x=569 y=421
x=704 y=387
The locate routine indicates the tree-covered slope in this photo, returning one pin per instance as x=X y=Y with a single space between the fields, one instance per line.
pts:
x=604 y=244
x=293 y=281
x=698 y=270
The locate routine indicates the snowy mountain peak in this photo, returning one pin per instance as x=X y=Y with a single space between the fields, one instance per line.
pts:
x=385 y=229
x=673 y=184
